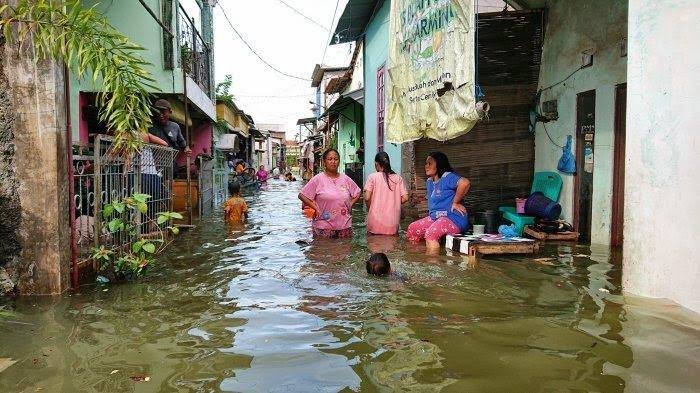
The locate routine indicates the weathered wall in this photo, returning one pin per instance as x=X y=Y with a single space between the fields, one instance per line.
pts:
x=36 y=100
x=573 y=27
x=661 y=219
x=10 y=209
x=376 y=54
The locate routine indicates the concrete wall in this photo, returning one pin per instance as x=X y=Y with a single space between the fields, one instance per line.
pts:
x=573 y=27
x=35 y=136
x=376 y=54
x=662 y=225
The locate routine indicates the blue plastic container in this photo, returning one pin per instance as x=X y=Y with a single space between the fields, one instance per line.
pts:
x=539 y=205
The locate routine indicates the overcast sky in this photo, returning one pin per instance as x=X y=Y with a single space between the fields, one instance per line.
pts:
x=284 y=39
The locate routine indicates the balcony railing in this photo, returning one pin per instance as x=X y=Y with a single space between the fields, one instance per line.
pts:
x=195 y=54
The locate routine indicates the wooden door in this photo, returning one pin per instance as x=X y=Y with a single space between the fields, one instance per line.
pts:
x=618 y=202
x=585 y=144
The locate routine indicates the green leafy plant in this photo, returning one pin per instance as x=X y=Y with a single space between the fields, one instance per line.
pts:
x=223 y=90
x=122 y=218
x=83 y=39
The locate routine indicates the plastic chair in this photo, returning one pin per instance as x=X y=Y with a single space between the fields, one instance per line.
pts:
x=549 y=184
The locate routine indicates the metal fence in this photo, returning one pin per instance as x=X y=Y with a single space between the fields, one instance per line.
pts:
x=194 y=51
x=206 y=185
x=105 y=176
x=221 y=172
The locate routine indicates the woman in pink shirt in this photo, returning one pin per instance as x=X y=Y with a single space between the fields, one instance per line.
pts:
x=384 y=193
x=331 y=195
x=262 y=174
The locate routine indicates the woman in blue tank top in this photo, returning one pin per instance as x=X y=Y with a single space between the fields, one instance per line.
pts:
x=446 y=214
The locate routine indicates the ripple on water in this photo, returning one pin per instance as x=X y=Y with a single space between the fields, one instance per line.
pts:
x=264 y=308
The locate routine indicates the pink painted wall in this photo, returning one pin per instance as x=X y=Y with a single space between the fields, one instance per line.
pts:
x=202 y=140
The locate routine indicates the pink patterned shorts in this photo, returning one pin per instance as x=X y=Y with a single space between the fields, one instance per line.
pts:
x=429 y=229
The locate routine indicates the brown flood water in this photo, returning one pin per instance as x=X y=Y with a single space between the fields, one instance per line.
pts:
x=258 y=311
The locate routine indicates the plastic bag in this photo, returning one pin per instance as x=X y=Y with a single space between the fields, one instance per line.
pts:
x=567 y=162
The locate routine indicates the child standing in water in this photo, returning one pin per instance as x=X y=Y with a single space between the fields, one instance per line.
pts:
x=235 y=208
x=384 y=193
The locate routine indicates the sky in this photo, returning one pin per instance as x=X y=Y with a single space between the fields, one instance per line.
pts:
x=285 y=39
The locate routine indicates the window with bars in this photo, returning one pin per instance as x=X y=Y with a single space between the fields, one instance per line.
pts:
x=381 y=101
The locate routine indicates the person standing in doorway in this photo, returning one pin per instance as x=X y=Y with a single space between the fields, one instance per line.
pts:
x=167 y=130
x=331 y=195
x=384 y=193
x=446 y=213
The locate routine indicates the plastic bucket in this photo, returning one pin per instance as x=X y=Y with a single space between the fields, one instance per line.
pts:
x=520 y=205
x=491 y=219
x=539 y=205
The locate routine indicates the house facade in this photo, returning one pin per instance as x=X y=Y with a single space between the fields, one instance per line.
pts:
x=180 y=48
x=600 y=65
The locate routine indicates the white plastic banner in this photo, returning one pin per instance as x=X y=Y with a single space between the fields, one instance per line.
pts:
x=431 y=70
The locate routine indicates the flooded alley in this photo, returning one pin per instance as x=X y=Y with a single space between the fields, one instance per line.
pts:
x=266 y=309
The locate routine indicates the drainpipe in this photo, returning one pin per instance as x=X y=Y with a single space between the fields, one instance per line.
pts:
x=188 y=205
x=75 y=276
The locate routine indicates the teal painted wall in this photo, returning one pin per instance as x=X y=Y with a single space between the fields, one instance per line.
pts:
x=376 y=52
x=349 y=134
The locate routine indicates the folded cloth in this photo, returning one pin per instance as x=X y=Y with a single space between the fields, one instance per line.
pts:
x=508 y=231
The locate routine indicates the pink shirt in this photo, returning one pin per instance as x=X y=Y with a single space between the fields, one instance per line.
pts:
x=333 y=199
x=385 y=205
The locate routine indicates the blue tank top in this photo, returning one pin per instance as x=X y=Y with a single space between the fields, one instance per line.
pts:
x=440 y=197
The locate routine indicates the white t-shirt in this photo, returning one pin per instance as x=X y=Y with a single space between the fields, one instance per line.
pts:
x=148 y=163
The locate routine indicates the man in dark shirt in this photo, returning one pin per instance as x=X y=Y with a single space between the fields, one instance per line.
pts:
x=167 y=130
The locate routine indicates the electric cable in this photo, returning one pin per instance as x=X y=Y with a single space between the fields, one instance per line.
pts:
x=563 y=80
x=330 y=33
x=256 y=53
x=304 y=16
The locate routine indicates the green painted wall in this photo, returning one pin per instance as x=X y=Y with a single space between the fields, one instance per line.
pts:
x=132 y=19
x=349 y=134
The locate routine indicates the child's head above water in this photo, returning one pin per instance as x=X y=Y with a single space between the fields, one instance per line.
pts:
x=234 y=188
x=378 y=264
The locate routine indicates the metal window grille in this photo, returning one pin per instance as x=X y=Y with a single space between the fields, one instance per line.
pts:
x=380 y=107
x=195 y=54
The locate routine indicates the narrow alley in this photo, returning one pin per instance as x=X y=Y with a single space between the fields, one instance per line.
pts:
x=266 y=309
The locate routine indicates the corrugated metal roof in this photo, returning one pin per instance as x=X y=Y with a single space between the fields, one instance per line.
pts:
x=354 y=19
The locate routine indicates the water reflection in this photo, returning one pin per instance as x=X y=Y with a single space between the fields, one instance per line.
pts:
x=265 y=308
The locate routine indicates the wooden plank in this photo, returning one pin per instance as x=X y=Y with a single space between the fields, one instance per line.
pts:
x=562 y=236
x=505 y=248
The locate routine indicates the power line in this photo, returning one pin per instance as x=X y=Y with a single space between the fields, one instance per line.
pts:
x=330 y=33
x=304 y=16
x=256 y=53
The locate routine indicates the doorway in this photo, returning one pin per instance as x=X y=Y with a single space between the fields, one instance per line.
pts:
x=585 y=145
x=618 y=197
